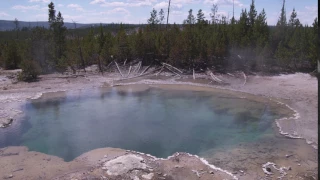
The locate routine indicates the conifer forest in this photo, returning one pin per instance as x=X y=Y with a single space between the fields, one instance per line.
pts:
x=248 y=44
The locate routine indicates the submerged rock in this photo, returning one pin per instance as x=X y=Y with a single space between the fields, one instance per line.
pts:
x=6 y=122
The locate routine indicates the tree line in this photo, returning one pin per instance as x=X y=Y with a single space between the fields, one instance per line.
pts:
x=218 y=43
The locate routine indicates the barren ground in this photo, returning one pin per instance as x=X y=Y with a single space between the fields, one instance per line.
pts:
x=299 y=91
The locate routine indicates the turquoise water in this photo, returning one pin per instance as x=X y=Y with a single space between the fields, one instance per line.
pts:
x=155 y=121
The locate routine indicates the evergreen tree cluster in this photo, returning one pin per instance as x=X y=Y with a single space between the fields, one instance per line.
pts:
x=247 y=43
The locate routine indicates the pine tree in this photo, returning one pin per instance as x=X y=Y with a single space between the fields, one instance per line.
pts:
x=121 y=45
x=106 y=51
x=60 y=35
x=161 y=16
x=153 y=20
x=190 y=19
x=40 y=49
x=261 y=30
x=313 y=45
x=12 y=57
x=139 y=44
x=243 y=29
x=200 y=17
x=280 y=36
x=295 y=47
x=101 y=38
x=90 y=47
x=282 y=21
x=52 y=14
x=16 y=23
x=252 y=14
x=294 y=21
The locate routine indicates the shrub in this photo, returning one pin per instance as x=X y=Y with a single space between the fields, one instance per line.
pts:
x=30 y=71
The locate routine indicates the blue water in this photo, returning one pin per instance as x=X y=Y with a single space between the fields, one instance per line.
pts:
x=155 y=121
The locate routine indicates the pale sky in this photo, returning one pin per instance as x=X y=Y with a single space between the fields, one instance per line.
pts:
x=138 y=11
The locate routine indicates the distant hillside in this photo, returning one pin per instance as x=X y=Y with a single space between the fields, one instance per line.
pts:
x=9 y=25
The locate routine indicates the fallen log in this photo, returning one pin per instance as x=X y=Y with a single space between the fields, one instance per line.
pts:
x=230 y=74
x=172 y=67
x=172 y=71
x=215 y=78
x=145 y=70
x=118 y=68
x=141 y=74
x=129 y=71
x=160 y=71
x=72 y=76
x=138 y=67
x=109 y=65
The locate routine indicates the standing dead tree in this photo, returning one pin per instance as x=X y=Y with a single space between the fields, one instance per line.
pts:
x=194 y=77
x=245 y=78
x=168 y=14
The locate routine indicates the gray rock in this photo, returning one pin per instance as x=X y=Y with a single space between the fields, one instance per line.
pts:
x=5 y=123
x=123 y=164
x=147 y=176
x=9 y=176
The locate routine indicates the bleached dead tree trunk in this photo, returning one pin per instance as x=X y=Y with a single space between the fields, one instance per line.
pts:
x=168 y=14
x=160 y=71
x=215 y=78
x=145 y=70
x=245 y=78
x=172 y=67
x=194 y=77
x=129 y=71
x=138 y=67
x=118 y=68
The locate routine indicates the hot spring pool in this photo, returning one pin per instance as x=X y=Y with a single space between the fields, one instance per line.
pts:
x=154 y=121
